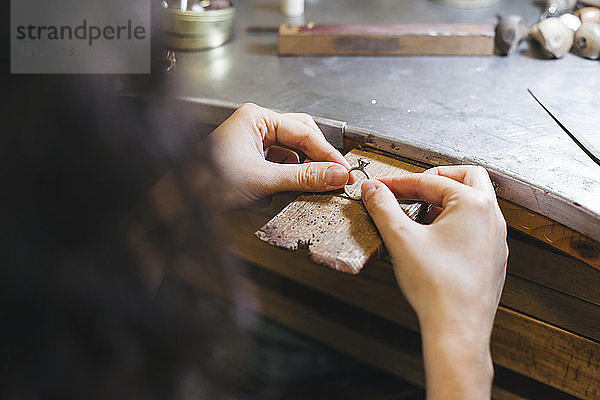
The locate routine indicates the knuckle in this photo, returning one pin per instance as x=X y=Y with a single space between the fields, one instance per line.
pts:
x=397 y=233
x=248 y=108
x=481 y=202
x=306 y=117
x=310 y=177
x=479 y=169
x=472 y=171
x=310 y=121
x=433 y=171
x=330 y=153
x=420 y=184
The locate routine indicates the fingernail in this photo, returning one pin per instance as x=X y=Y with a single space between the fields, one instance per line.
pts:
x=336 y=175
x=367 y=189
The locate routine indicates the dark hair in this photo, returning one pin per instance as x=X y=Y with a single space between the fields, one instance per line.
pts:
x=79 y=320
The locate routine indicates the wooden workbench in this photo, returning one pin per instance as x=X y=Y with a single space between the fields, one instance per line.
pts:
x=546 y=338
x=431 y=111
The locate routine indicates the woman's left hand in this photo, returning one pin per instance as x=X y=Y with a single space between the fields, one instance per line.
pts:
x=253 y=167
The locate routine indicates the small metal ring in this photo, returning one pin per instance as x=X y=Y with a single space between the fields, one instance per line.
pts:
x=361 y=169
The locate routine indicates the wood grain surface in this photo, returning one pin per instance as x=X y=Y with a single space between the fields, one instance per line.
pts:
x=551 y=233
x=388 y=39
x=336 y=230
x=553 y=269
x=559 y=309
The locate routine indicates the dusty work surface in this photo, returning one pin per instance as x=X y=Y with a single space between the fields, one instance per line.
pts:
x=442 y=109
x=336 y=230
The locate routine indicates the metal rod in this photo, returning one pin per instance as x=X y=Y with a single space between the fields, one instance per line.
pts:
x=579 y=140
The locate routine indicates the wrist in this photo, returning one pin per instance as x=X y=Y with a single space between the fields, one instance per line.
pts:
x=458 y=364
x=445 y=318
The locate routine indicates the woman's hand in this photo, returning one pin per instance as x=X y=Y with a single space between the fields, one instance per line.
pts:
x=253 y=167
x=451 y=271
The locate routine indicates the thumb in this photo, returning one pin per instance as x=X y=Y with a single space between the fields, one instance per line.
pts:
x=309 y=177
x=391 y=221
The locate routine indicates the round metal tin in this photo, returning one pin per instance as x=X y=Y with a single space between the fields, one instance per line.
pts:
x=193 y=30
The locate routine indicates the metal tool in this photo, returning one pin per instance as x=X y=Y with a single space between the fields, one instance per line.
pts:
x=586 y=146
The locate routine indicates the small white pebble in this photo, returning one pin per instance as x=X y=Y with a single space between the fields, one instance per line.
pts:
x=571 y=21
x=373 y=101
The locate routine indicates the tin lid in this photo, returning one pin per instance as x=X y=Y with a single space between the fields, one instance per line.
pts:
x=176 y=14
x=196 y=6
x=198 y=16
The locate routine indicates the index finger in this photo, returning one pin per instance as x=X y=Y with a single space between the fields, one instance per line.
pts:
x=292 y=132
x=304 y=118
x=434 y=189
x=471 y=175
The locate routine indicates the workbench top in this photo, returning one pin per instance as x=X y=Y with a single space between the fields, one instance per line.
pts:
x=436 y=109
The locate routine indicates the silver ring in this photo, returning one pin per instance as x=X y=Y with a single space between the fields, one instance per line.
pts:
x=362 y=163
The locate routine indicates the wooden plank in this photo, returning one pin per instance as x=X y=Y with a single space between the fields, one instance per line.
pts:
x=551 y=233
x=398 y=39
x=336 y=230
x=556 y=308
x=553 y=269
x=558 y=358
x=522 y=344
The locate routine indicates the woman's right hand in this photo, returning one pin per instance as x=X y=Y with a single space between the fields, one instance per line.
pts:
x=451 y=270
